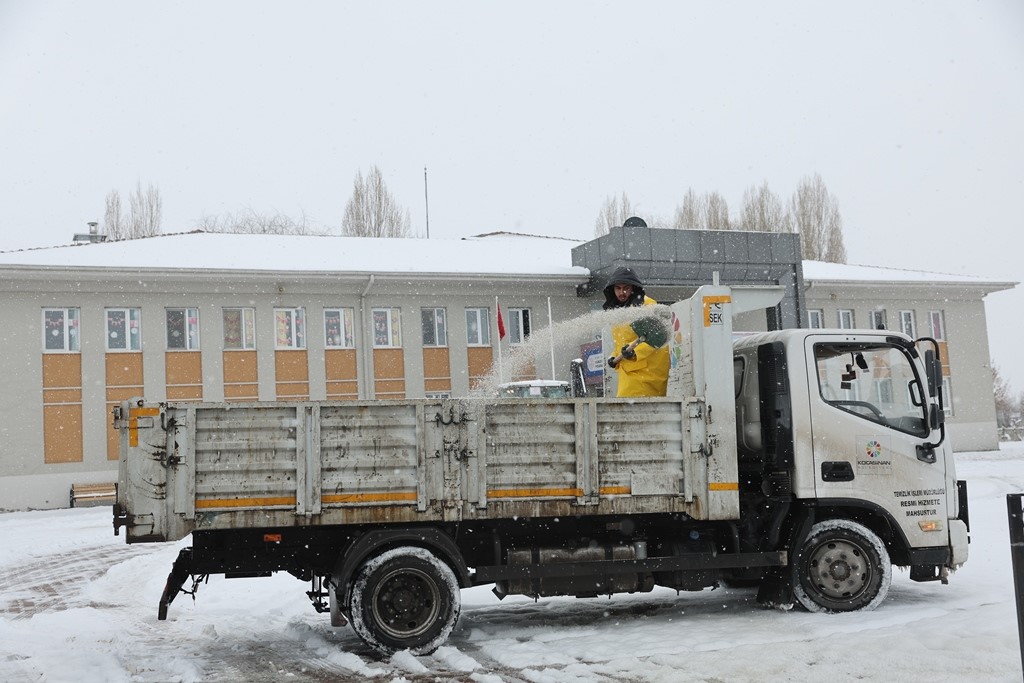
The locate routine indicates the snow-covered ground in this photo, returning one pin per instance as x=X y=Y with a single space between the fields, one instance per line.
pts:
x=76 y=604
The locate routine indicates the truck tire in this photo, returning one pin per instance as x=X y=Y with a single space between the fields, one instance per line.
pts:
x=841 y=567
x=405 y=598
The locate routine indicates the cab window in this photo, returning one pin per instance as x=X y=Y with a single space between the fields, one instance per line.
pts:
x=874 y=381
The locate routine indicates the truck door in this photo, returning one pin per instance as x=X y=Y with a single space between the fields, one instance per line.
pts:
x=869 y=404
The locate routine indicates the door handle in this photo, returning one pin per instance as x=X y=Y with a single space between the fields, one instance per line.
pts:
x=836 y=470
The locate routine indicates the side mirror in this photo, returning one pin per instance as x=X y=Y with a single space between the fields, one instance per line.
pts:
x=933 y=370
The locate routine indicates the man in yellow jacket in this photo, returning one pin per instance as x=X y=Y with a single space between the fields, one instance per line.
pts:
x=643 y=370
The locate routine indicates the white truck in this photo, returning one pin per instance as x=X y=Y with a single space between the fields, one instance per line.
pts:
x=806 y=462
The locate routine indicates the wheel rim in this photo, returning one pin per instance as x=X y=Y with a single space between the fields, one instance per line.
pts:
x=406 y=603
x=839 y=569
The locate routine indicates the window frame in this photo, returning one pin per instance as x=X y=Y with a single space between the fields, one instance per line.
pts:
x=877 y=319
x=131 y=315
x=813 y=313
x=941 y=317
x=297 y=339
x=839 y=319
x=346 y=328
x=393 y=327
x=519 y=321
x=191 y=331
x=247 y=325
x=440 y=325
x=482 y=317
x=69 y=321
x=907 y=316
x=947 y=396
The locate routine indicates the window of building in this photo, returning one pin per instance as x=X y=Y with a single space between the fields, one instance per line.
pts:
x=124 y=329
x=339 y=328
x=907 y=325
x=435 y=332
x=518 y=325
x=183 y=329
x=289 y=328
x=846 y=320
x=876 y=319
x=387 y=328
x=478 y=327
x=937 y=323
x=60 y=329
x=239 y=329
x=815 y=319
x=947 y=397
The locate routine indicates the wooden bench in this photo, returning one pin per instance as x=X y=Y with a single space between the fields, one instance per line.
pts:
x=89 y=495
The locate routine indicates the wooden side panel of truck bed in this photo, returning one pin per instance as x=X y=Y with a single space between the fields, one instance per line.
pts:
x=229 y=466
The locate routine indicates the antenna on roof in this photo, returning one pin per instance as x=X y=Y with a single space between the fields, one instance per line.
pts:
x=426 y=200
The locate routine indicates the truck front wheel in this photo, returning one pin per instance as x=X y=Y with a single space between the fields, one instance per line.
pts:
x=405 y=598
x=841 y=567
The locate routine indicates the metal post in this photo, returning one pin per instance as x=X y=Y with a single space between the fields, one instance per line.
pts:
x=1013 y=516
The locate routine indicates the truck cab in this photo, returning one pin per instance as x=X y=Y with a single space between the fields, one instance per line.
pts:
x=849 y=424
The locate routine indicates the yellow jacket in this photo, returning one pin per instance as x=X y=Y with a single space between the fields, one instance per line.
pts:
x=648 y=374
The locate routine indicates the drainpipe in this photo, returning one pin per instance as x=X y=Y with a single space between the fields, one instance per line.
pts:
x=366 y=348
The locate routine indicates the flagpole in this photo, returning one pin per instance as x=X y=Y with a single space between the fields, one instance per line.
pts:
x=551 y=339
x=497 y=317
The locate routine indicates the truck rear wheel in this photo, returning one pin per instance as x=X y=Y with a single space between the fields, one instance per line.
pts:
x=841 y=567
x=405 y=598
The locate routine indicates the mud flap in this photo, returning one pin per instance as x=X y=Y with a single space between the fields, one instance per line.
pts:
x=776 y=589
x=180 y=571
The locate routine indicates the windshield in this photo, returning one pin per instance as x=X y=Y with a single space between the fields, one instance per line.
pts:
x=874 y=381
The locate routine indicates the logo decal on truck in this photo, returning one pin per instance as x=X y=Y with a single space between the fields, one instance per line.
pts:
x=873 y=455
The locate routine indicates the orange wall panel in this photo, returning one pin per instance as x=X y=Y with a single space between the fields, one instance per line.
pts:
x=184 y=393
x=240 y=367
x=340 y=364
x=183 y=367
x=478 y=363
x=388 y=364
x=124 y=380
x=291 y=377
x=62 y=434
x=291 y=366
x=62 y=370
x=124 y=369
x=241 y=392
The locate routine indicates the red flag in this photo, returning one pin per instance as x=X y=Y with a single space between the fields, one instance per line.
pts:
x=501 y=324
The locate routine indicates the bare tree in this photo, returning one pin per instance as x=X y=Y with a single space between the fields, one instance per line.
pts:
x=251 y=222
x=717 y=217
x=688 y=214
x=763 y=211
x=613 y=214
x=113 y=219
x=816 y=217
x=1007 y=407
x=709 y=211
x=372 y=211
x=145 y=213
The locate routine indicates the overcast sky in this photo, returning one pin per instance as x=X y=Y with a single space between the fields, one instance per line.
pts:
x=528 y=116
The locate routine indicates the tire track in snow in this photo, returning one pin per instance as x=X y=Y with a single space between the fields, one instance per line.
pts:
x=55 y=582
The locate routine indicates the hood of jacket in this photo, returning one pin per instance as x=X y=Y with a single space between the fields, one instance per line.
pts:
x=623 y=276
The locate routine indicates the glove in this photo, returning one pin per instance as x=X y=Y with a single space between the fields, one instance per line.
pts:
x=612 y=362
x=628 y=353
